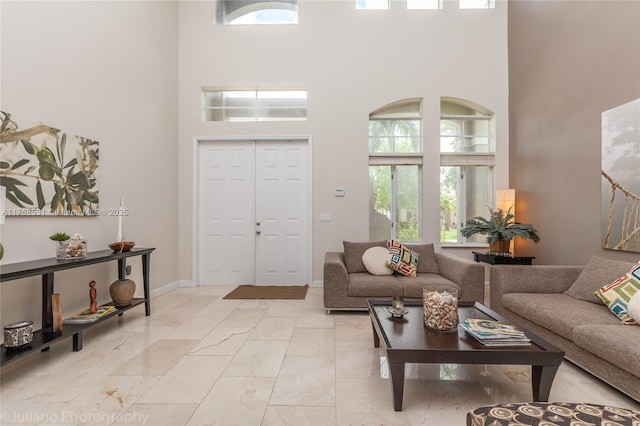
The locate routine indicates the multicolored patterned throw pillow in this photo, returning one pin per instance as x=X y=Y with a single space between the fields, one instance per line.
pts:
x=402 y=260
x=617 y=294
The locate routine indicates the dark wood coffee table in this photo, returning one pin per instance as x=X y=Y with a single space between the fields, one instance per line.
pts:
x=407 y=340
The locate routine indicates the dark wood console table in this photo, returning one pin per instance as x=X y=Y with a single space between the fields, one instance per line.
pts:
x=496 y=259
x=43 y=338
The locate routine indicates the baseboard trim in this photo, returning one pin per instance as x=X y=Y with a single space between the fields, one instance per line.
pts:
x=189 y=283
x=169 y=287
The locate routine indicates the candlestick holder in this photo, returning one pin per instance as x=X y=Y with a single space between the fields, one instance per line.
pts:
x=397 y=309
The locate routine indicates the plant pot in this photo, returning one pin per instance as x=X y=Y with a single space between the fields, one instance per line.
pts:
x=61 y=249
x=501 y=246
x=122 y=292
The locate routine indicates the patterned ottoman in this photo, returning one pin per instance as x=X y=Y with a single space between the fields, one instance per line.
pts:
x=552 y=414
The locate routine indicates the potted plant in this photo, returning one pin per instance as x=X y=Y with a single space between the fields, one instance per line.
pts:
x=500 y=229
x=61 y=239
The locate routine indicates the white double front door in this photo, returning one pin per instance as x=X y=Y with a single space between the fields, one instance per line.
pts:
x=253 y=212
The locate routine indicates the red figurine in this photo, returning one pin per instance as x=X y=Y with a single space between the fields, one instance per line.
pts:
x=92 y=295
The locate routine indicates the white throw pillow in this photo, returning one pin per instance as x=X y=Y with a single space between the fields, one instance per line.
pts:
x=633 y=307
x=374 y=259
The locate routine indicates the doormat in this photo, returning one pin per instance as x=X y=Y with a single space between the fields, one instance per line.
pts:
x=269 y=292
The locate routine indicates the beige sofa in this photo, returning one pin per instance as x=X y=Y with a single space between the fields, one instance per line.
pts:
x=348 y=284
x=557 y=303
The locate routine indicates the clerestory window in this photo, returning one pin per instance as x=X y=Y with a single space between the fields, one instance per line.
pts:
x=256 y=12
x=476 y=4
x=372 y=4
x=424 y=4
x=254 y=105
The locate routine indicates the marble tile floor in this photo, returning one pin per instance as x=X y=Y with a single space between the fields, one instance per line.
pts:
x=201 y=360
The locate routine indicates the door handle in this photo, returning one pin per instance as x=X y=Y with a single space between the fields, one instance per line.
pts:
x=257 y=223
x=257 y=232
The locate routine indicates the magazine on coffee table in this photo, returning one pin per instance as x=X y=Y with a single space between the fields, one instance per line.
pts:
x=495 y=333
x=492 y=328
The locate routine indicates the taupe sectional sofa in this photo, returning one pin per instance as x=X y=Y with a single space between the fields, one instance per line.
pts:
x=557 y=303
x=348 y=284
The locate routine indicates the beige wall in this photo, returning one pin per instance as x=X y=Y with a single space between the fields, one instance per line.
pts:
x=568 y=62
x=352 y=62
x=108 y=71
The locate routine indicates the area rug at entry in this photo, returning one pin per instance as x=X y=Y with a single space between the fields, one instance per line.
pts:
x=268 y=292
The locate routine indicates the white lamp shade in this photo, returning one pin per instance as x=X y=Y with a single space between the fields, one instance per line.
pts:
x=506 y=199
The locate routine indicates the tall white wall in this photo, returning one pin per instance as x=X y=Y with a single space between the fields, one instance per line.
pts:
x=107 y=71
x=352 y=62
x=129 y=74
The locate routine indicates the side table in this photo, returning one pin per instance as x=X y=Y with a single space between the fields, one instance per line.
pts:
x=496 y=259
x=43 y=338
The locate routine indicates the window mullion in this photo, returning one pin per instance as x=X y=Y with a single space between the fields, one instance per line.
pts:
x=462 y=205
x=394 y=204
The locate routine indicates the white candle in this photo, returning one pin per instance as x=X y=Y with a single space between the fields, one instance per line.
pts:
x=120 y=213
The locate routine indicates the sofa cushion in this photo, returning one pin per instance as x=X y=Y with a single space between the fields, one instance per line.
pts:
x=413 y=286
x=427 y=260
x=634 y=307
x=353 y=254
x=618 y=344
x=363 y=284
x=617 y=294
x=557 y=312
x=374 y=259
x=402 y=260
x=597 y=273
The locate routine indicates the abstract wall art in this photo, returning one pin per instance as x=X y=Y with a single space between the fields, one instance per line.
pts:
x=621 y=177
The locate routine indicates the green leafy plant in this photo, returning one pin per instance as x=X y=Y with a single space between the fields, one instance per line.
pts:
x=60 y=236
x=499 y=226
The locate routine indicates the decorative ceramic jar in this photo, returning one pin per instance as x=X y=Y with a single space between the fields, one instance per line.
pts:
x=18 y=334
x=122 y=292
x=441 y=309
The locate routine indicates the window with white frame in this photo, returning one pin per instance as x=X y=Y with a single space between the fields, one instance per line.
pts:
x=254 y=105
x=256 y=12
x=476 y=4
x=372 y=4
x=424 y=4
x=467 y=159
x=395 y=161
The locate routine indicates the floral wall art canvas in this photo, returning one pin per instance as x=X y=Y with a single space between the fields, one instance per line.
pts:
x=46 y=171
x=621 y=177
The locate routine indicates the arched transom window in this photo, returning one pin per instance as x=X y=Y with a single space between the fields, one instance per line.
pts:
x=255 y=12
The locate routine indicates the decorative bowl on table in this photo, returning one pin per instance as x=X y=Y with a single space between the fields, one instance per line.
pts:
x=122 y=246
